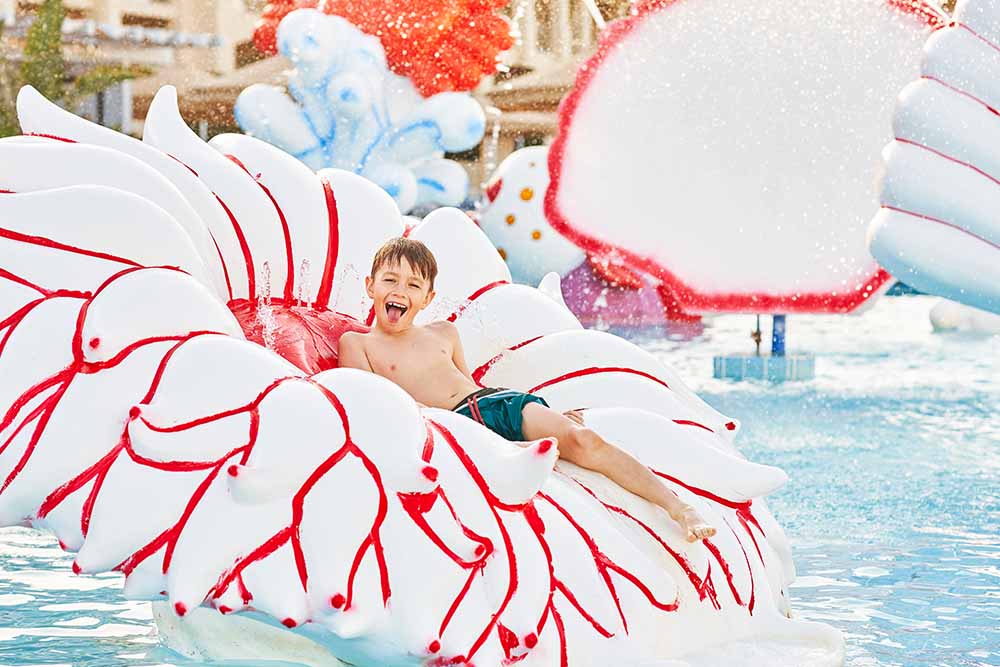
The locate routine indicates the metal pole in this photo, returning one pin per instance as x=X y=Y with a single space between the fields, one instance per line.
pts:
x=595 y=13
x=778 y=336
x=100 y=104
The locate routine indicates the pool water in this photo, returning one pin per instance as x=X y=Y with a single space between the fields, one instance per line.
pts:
x=893 y=506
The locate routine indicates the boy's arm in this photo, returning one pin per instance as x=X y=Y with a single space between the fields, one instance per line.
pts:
x=351 y=352
x=457 y=353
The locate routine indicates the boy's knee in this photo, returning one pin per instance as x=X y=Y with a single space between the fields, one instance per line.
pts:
x=584 y=445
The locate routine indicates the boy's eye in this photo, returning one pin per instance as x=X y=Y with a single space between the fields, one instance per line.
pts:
x=415 y=285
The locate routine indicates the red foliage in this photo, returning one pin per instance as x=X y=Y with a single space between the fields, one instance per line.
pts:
x=265 y=32
x=441 y=45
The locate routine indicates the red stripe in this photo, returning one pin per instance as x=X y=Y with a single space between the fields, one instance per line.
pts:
x=417 y=505
x=36 y=435
x=961 y=92
x=89 y=368
x=332 y=246
x=494 y=502
x=374 y=539
x=595 y=370
x=561 y=632
x=32 y=416
x=273 y=543
x=601 y=630
x=705 y=494
x=225 y=269
x=726 y=571
x=977 y=35
x=942 y=222
x=967 y=165
x=600 y=560
x=644 y=589
x=456 y=603
x=183 y=164
x=682 y=562
x=194 y=466
x=88 y=505
x=244 y=248
x=475 y=295
x=75 y=484
x=189 y=509
x=428 y=450
x=36 y=389
x=474 y=411
x=688 y=422
x=56 y=245
x=478 y=374
x=51 y=136
x=23 y=281
x=289 y=261
x=753 y=587
x=11 y=322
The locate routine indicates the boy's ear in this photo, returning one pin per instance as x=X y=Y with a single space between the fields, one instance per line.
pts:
x=369 y=282
x=430 y=297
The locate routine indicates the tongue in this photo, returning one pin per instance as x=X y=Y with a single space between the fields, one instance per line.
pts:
x=394 y=313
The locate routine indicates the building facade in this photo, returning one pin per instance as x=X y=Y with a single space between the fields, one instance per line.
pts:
x=179 y=40
x=554 y=37
x=205 y=48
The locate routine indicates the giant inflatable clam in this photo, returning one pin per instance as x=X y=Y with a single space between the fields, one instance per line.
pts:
x=275 y=506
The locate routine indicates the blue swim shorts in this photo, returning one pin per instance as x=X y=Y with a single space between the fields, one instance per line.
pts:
x=499 y=410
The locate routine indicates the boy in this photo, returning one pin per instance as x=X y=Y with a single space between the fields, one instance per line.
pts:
x=428 y=363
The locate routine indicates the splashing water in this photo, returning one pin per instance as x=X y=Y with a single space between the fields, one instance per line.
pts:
x=302 y=295
x=349 y=275
x=265 y=313
x=491 y=147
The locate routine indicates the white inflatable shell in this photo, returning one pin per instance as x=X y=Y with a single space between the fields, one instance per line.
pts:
x=327 y=512
x=937 y=229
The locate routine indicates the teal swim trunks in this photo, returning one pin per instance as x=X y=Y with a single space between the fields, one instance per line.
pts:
x=499 y=410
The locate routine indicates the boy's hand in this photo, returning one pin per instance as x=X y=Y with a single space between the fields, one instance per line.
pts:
x=575 y=416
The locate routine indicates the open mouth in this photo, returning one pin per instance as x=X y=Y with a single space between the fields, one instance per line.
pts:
x=395 y=310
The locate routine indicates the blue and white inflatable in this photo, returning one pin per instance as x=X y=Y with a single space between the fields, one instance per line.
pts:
x=345 y=109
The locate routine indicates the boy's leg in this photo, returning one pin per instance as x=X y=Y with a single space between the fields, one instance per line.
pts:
x=582 y=446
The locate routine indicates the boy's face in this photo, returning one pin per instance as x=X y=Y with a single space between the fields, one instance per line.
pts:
x=399 y=293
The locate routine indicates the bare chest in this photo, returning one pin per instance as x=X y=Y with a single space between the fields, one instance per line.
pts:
x=409 y=362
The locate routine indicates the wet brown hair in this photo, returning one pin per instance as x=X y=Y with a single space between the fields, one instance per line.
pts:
x=419 y=257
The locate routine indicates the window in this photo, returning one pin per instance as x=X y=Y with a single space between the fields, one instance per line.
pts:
x=145 y=21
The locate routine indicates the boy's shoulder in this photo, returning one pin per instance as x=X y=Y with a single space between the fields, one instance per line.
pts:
x=443 y=327
x=353 y=337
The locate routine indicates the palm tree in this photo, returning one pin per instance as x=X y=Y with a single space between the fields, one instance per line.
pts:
x=44 y=67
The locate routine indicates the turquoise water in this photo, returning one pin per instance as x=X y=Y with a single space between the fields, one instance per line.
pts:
x=893 y=505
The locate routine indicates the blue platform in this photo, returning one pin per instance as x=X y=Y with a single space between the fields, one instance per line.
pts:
x=785 y=368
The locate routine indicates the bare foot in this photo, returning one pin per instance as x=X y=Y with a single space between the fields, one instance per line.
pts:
x=695 y=528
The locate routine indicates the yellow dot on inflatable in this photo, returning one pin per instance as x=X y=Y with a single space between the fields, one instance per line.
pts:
x=503 y=253
x=536 y=234
x=510 y=219
x=527 y=194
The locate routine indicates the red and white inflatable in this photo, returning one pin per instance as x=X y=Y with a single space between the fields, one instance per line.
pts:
x=277 y=507
x=725 y=148
x=937 y=228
